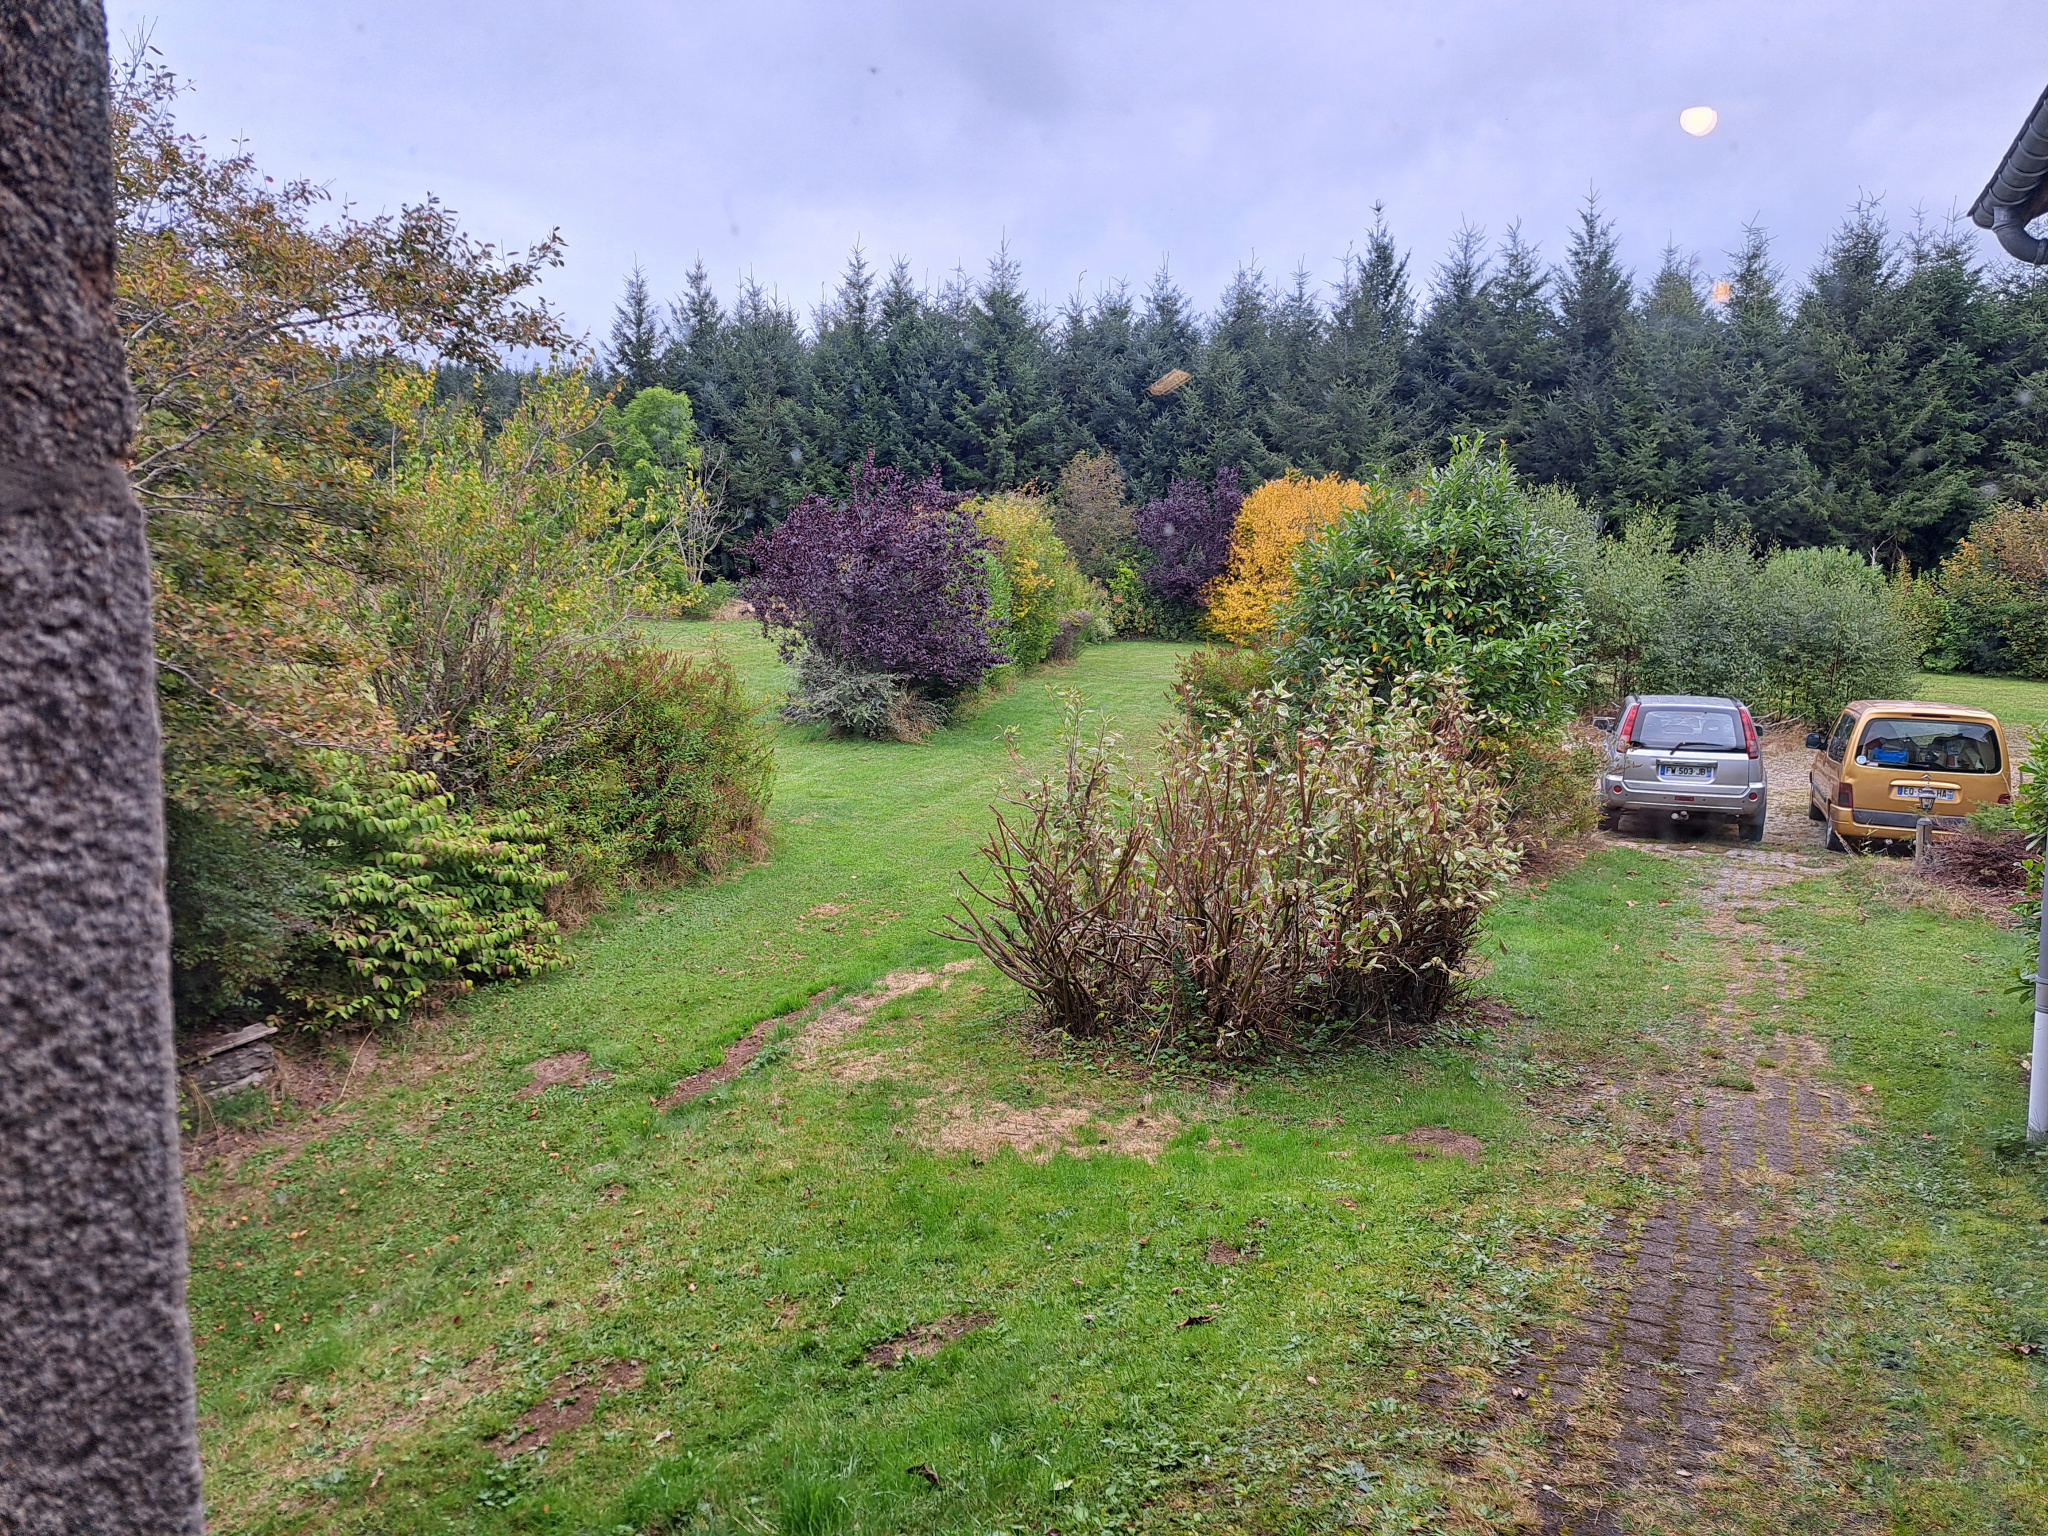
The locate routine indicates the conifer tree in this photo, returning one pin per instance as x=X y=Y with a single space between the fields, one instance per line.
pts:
x=1101 y=373
x=1293 y=414
x=1443 y=397
x=920 y=362
x=1364 y=345
x=1759 y=473
x=1515 y=361
x=1577 y=436
x=1002 y=416
x=698 y=359
x=635 y=355
x=849 y=413
x=1162 y=440
x=1666 y=438
x=1233 y=382
x=764 y=443
x=1851 y=373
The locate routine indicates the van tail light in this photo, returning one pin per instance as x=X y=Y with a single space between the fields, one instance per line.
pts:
x=1845 y=796
x=1748 y=731
x=1626 y=733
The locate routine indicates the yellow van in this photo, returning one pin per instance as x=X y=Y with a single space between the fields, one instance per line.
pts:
x=1888 y=762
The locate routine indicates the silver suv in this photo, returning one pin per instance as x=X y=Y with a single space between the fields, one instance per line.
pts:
x=1684 y=758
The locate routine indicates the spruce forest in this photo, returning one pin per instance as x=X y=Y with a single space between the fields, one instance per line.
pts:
x=1884 y=401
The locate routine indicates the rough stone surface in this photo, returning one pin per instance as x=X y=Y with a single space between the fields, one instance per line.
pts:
x=97 y=1425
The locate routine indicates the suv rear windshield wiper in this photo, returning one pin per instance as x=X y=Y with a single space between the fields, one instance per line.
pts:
x=1696 y=746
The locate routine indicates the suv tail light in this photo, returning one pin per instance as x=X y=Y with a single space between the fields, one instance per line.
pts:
x=1625 y=731
x=1845 y=796
x=1748 y=731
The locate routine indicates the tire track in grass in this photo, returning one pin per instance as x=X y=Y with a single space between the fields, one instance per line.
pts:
x=1644 y=1401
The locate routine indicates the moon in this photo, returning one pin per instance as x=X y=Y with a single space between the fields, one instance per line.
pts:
x=1698 y=121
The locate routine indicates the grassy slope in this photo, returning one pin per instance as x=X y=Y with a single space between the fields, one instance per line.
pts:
x=427 y=1264
x=456 y=1246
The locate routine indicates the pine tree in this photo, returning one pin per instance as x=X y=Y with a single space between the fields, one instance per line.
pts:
x=1578 y=435
x=1851 y=372
x=1002 y=416
x=635 y=355
x=922 y=358
x=1443 y=397
x=1515 y=360
x=769 y=373
x=1759 y=473
x=849 y=414
x=1231 y=383
x=1364 y=347
x=1664 y=451
x=1293 y=413
x=698 y=359
x=1163 y=440
x=1099 y=375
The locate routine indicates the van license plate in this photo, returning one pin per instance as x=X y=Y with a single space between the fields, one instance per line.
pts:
x=1921 y=792
x=1693 y=771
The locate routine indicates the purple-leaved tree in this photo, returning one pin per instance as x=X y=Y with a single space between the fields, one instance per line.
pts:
x=1187 y=532
x=894 y=579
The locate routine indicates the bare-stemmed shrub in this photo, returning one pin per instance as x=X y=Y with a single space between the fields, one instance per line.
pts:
x=1282 y=881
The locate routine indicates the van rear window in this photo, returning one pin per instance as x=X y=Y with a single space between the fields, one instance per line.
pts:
x=1708 y=730
x=1947 y=746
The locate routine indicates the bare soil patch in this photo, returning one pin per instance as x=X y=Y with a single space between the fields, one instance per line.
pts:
x=835 y=1023
x=1441 y=1141
x=842 y=1019
x=1987 y=866
x=571 y=1069
x=1220 y=1252
x=1038 y=1134
x=924 y=1339
x=571 y=1398
x=737 y=1055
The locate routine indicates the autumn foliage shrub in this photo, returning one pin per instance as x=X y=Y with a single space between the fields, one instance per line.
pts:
x=893 y=581
x=1271 y=525
x=1094 y=520
x=1281 y=882
x=673 y=778
x=1024 y=542
x=1214 y=684
x=1992 y=614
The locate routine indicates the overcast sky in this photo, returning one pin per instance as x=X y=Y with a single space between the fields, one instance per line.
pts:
x=1103 y=138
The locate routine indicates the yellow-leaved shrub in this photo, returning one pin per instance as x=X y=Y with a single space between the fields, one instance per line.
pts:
x=1271 y=525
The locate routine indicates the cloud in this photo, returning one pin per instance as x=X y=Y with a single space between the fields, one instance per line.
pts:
x=1103 y=138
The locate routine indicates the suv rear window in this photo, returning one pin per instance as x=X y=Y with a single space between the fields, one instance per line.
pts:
x=1664 y=728
x=1946 y=746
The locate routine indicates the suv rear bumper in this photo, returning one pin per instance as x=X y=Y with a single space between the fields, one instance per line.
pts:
x=1723 y=802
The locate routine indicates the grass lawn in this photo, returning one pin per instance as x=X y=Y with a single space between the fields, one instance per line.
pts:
x=1911 y=1392
x=1221 y=1304
x=2021 y=706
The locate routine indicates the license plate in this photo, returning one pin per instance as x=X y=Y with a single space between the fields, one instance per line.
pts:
x=1692 y=771
x=1921 y=792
